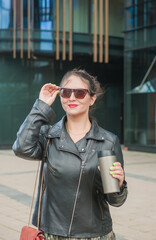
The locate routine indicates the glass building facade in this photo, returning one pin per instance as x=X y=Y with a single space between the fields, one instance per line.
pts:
x=140 y=75
x=40 y=40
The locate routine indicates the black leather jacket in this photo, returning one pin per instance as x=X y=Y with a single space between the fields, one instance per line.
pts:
x=73 y=202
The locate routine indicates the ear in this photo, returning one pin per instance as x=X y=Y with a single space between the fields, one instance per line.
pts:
x=93 y=99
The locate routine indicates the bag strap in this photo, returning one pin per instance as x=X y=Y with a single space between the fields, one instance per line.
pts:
x=41 y=186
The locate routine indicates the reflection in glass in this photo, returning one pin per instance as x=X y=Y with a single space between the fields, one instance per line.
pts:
x=5 y=14
x=43 y=14
x=140 y=13
x=43 y=20
x=140 y=122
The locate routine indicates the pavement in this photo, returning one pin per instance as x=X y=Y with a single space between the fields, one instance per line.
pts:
x=135 y=220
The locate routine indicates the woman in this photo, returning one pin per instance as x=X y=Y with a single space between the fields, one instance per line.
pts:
x=73 y=202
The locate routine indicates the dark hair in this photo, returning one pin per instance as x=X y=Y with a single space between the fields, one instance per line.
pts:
x=91 y=81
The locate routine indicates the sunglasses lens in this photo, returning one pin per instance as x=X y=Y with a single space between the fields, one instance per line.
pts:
x=65 y=93
x=80 y=93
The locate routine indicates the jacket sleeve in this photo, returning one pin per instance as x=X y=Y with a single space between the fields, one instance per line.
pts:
x=117 y=199
x=31 y=136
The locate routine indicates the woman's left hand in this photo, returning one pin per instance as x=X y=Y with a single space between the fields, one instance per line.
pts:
x=117 y=172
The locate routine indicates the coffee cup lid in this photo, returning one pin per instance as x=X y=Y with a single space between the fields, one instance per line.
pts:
x=105 y=153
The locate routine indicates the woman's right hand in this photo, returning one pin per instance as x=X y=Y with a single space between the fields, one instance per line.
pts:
x=48 y=93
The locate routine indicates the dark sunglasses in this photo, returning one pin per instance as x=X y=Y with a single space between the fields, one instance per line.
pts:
x=79 y=93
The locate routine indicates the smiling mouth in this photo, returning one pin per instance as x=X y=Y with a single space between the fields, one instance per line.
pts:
x=72 y=105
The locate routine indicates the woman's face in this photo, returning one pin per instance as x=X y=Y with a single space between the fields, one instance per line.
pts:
x=74 y=106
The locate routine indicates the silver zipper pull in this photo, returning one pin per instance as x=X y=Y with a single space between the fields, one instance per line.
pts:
x=82 y=164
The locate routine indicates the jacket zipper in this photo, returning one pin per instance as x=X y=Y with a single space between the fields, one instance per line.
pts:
x=78 y=187
x=71 y=222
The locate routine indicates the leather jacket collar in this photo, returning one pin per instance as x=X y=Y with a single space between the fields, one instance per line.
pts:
x=59 y=131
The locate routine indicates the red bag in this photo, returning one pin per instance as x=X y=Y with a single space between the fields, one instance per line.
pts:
x=29 y=233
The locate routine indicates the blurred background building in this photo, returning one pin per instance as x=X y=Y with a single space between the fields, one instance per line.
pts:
x=140 y=75
x=114 y=40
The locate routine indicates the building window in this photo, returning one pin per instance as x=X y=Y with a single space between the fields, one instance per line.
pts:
x=140 y=51
x=5 y=14
x=43 y=14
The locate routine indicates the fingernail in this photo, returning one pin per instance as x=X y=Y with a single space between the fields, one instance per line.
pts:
x=111 y=172
x=114 y=164
x=111 y=168
x=113 y=175
x=58 y=91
